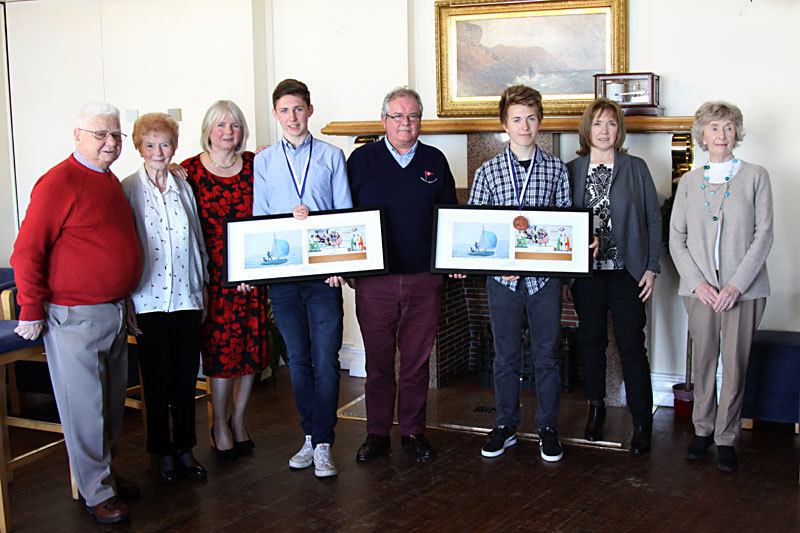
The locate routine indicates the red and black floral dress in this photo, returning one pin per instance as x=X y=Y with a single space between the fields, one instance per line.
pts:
x=234 y=336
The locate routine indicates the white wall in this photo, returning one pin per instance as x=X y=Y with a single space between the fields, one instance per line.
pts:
x=351 y=52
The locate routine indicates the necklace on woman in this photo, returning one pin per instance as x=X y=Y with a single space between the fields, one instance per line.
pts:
x=709 y=192
x=222 y=167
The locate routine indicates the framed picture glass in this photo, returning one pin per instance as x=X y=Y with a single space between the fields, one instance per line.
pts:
x=280 y=248
x=484 y=240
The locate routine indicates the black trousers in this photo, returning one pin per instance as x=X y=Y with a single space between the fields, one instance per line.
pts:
x=169 y=358
x=617 y=291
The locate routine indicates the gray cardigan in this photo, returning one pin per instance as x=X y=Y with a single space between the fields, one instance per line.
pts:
x=635 y=211
x=745 y=240
x=133 y=188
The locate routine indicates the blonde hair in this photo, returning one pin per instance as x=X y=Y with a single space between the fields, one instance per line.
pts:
x=217 y=112
x=715 y=110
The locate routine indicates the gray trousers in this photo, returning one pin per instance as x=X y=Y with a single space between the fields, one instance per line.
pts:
x=88 y=361
x=728 y=334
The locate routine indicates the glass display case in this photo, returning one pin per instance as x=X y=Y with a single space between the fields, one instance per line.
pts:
x=636 y=92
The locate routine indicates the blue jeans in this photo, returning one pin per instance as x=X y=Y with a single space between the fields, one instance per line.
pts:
x=507 y=310
x=309 y=316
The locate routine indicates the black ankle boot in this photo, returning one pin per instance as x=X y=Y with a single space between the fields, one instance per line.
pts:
x=594 y=425
x=642 y=437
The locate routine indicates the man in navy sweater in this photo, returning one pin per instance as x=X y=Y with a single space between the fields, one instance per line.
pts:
x=401 y=309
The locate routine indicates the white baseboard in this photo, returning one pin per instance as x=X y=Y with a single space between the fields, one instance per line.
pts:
x=662 y=387
x=354 y=360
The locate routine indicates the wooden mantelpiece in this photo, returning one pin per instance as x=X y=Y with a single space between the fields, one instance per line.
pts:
x=635 y=124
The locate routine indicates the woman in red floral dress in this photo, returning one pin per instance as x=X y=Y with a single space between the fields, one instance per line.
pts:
x=234 y=337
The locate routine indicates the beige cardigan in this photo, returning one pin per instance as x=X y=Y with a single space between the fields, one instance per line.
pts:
x=745 y=239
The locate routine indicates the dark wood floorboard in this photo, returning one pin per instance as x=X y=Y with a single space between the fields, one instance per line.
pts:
x=589 y=490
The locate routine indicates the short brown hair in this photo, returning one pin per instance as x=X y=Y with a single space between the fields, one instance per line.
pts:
x=520 y=94
x=293 y=87
x=154 y=123
x=585 y=127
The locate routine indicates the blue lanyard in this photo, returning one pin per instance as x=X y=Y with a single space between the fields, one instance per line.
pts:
x=299 y=187
x=520 y=197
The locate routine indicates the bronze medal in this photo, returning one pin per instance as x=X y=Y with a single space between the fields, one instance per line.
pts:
x=300 y=212
x=520 y=223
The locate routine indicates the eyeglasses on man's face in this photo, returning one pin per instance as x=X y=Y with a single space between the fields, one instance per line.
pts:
x=102 y=135
x=400 y=117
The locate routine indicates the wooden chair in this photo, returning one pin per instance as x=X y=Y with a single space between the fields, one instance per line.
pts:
x=202 y=387
x=14 y=348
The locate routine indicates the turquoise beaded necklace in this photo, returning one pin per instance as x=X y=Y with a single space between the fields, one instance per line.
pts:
x=707 y=191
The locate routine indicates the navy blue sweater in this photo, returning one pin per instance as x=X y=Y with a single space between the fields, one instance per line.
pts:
x=408 y=194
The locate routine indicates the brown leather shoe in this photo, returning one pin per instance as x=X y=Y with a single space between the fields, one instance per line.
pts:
x=110 y=511
x=418 y=445
x=127 y=490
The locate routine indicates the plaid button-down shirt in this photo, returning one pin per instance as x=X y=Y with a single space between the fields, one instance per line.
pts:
x=548 y=187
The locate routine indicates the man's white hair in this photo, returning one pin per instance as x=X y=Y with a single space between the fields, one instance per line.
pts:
x=93 y=109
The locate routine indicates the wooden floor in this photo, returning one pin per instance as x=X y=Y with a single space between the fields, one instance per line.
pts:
x=589 y=490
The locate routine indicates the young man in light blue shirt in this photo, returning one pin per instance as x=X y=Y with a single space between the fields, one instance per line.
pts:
x=296 y=175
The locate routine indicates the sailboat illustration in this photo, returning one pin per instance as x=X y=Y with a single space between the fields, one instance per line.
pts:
x=485 y=245
x=277 y=253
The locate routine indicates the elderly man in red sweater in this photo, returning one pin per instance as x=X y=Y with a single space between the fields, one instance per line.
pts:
x=75 y=261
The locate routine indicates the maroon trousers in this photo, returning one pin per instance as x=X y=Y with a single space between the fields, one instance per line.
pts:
x=398 y=311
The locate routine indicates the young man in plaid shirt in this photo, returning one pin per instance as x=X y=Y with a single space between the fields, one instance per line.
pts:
x=525 y=176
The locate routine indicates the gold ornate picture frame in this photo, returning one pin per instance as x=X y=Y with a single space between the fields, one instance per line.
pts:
x=484 y=46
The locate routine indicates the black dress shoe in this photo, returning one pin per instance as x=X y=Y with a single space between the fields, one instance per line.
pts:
x=374 y=446
x=223 y=456
x=189 y=466
x=243 y=447
x=726 y=458
x=127 y=490
x=698 y=448
x=166 y=471
x=642 y=437
x=418 y=445
x=594 y=425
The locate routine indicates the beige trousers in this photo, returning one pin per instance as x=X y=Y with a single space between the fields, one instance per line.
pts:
x=729 y=334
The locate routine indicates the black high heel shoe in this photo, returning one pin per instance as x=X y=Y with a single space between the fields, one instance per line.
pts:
x=244 y=447
x=223 y=456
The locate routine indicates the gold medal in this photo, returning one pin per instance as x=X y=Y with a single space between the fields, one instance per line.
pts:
x=300 y=212
x=520 y=223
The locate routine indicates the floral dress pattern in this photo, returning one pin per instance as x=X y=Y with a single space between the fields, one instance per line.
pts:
x=234 y=336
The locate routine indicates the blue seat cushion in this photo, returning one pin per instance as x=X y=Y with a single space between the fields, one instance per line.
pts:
x=771 y=389
x=6 y=278
x=10 y=341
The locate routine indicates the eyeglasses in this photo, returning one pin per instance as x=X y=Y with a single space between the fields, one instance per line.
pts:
x=399 y=117
x=103 y=135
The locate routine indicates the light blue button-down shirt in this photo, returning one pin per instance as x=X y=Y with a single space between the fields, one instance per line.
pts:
x=402 y=159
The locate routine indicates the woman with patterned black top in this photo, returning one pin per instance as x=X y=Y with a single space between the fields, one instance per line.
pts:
x=619 y=190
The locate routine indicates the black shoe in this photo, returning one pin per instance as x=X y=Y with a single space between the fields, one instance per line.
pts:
x=374 y=446
x=166 y=471
x=642 y=437
x=549 y=447
x=244 y=447
x=699 y=447
x=499 y=439
x=594 y=425
x=418 y=445
x=189 y=466
x=726 y=458
x=223 y=456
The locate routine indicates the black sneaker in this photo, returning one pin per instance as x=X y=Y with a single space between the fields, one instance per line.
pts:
x=549 y=447
x=699 y=447
x=726 y=458
x=499 y=440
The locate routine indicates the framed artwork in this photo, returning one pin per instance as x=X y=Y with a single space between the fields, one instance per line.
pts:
x=484 y=240
x=556 y=47
x=280 y=248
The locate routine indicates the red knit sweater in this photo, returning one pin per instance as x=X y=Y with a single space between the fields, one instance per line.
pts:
x=77 y=244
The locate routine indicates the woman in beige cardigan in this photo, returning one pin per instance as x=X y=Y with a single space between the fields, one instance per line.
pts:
x=720 y=235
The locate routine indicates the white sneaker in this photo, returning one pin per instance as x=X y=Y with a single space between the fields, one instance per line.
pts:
x=304 y=457
x=323 y=462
